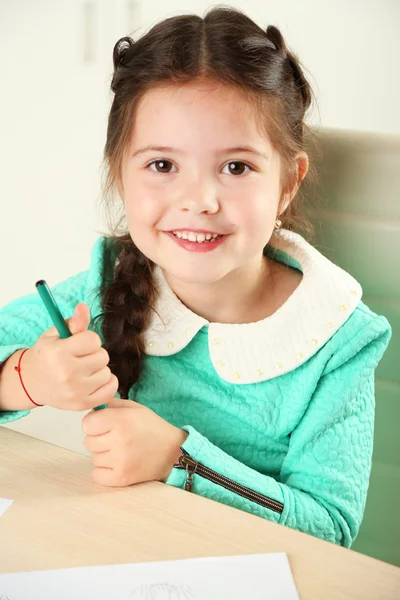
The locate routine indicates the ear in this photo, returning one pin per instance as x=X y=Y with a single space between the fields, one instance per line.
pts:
x=297 y=175
x=300 y=171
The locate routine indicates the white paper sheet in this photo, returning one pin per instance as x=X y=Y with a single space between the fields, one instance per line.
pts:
x=256 y=576
x=4 y=504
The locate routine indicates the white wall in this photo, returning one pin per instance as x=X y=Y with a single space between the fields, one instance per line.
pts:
x=54 y=98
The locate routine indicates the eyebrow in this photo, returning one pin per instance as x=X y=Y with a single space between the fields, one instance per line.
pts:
x=234 y=150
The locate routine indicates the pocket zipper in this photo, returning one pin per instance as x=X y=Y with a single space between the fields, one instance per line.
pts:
x=191 y=466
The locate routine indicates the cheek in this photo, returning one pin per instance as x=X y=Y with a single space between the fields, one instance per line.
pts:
x=143 y=206
x=265 y=201
x=264 y=208
x=254 y=210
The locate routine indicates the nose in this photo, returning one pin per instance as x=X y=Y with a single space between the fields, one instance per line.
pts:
x=199 y=198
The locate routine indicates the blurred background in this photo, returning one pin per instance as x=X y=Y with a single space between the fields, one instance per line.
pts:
x=56 y=67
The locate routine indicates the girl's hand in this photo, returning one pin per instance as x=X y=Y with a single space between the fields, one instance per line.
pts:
x=131 y=444
x=70 y=373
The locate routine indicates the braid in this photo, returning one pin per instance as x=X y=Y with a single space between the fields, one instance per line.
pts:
x=127 y=297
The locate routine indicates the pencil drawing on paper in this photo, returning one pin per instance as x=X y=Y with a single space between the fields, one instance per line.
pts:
x=162 y=591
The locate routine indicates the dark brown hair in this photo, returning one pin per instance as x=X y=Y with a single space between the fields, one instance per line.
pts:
x=224 y=46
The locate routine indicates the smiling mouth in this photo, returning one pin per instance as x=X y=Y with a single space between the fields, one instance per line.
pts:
x=200 y=238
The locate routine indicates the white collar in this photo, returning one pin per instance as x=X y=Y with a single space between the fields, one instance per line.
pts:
x=254 y=352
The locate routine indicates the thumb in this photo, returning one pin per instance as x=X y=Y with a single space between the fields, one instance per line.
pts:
x=80 y=319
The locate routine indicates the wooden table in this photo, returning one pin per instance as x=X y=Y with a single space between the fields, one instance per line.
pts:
x=61 y=519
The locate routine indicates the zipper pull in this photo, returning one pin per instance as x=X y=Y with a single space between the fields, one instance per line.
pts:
x=189 y=482
x=190 y=465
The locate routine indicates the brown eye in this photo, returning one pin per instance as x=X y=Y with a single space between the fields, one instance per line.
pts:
x=162 y=166
x=237 y=168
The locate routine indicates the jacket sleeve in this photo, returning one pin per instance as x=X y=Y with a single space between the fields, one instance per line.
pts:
x=323 y=482
x=23 y=321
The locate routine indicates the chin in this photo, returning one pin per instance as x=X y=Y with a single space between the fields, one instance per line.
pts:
x=193 y=276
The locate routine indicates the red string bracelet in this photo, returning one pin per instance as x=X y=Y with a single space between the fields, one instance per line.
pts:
x=18 y=369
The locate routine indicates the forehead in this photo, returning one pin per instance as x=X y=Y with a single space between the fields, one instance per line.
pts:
x=209 y=110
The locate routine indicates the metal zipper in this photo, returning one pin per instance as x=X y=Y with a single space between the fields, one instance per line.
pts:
x=191 y=466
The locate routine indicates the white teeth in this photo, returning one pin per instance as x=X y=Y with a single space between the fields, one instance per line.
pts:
x=196 y=237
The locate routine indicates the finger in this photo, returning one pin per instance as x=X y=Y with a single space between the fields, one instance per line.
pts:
x=91 y=363
x=85 y=343
x=102 y=459
x=97 y=422
x=108 y=477
x=97 y=443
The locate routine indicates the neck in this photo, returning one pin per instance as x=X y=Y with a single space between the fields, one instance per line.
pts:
x=236 y=298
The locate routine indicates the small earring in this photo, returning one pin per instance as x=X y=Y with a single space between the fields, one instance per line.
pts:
x=278 y=223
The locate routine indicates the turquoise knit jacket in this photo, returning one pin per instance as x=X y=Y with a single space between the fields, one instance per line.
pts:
x=295 y=449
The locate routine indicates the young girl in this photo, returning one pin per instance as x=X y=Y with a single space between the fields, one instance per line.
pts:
x=249 y=355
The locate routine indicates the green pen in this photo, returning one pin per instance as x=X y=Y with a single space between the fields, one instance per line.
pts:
x=55 y=315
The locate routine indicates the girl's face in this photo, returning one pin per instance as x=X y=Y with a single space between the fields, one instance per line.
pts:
x=198 y=161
